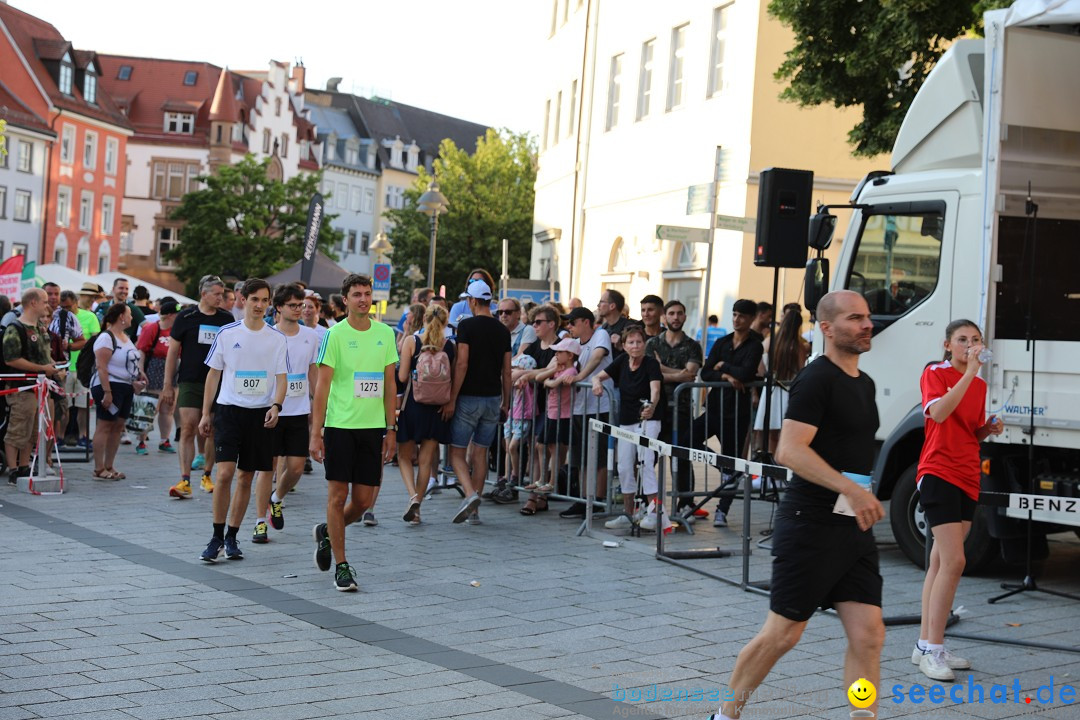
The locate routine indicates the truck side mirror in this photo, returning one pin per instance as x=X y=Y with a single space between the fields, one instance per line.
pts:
x=822 y=226
x=815 y=282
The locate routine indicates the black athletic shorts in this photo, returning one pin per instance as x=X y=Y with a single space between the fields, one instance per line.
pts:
x=578 y=445
x=354 y=455
x=816 y=564
x=554 y=432
x=943 y=502
x=291 y=436
x=239 y=437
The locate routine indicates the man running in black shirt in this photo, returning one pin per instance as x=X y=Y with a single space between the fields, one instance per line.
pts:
x=823 y=546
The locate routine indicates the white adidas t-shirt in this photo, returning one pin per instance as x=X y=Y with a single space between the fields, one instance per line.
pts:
x=249 y=362
x=303 y=350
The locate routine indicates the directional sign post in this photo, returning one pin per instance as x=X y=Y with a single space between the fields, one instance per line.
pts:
x=677 y=233
x=380 y=279
x=699 y=199
x=738 y=224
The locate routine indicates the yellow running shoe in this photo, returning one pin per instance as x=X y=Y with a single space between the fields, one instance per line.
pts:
x=181 y=490
x=206 y=483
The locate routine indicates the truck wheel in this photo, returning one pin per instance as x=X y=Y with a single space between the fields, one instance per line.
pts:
x=909 y=527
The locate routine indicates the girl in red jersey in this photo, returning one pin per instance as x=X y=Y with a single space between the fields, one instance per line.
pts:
x=954 y=404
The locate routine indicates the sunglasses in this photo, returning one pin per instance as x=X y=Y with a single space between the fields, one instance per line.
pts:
x=506 y=312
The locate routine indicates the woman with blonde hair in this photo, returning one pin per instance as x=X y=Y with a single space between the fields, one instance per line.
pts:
x=427 y=358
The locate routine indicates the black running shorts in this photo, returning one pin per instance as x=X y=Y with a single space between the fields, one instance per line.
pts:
x=354 y=455
x=241 y=438
x=944 y=502
x=291 y=436
x=816 y=564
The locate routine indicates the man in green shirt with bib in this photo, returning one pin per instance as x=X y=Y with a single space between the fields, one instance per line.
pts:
x=355 y=400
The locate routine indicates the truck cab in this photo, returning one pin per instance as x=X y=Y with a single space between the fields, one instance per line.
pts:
x=952 y=231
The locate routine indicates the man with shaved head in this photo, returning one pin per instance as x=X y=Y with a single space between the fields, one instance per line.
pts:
x=823 y=546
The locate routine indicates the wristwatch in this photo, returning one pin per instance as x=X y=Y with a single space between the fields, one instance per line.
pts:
x=392 y=427
x=278 y=406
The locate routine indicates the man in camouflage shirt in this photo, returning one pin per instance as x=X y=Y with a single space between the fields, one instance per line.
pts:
x=680 y=359
x=26 y=349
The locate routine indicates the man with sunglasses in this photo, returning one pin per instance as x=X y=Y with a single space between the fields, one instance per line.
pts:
x=193 y=332
x=521 y=335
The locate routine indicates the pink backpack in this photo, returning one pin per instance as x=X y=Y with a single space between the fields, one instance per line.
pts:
x=431 y=379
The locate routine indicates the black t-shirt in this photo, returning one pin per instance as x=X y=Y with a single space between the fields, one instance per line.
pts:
x=843 y=410
x=488 y=341
x=196 y=331
x=633 y=386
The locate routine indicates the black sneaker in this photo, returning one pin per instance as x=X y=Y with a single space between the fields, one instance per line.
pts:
x=506 y=496
x=345 y=578
x=259 y=537
x=322 y=547
x=577 y=510
x=307 y=466
x=232 y=548
x=499 y=485
x=213 y=550
x=277 y=518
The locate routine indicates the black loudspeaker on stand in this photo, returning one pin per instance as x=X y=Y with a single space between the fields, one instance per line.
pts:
x=783 y=207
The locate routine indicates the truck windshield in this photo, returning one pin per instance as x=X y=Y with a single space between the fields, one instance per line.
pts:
x=897 y=259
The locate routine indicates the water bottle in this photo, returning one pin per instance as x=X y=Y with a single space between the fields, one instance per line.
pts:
x=985 y=355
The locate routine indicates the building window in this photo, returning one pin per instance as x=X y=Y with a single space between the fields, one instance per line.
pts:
x=190 y=77
x=354 y=198
x=182 y=123
x=124 y=73
x=63 y=206
x=394 y=197
x=90 y=86
x=350 y=242
x=558 y=118
x=173 y=180
x=277 y=107
x=369 y=201
x=352 y=155
x=342 y=196
x=108 y=204
x=645 y=78
x=67 y=74
x=90 y=151
x=284 y=145
x=676 y=66
x=571 y=115
x=86 y=210
x=167 y=239
x=127 y=229
x=67 y=144
x=112 y=151
x=614 y=91
x=3 y=202
x=82 y=256
x=266 y=141
x=22 y=205
x=24 y=163
x=18 y=249
x=719 y=45
x=104 y=258
x=547 y=124
x=365 y=242
x=60 y=251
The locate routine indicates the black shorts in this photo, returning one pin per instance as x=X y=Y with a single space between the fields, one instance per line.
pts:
x=291 y=436
x=239 y=437
x=579 y=442
x=123 y=395
x=818 y=565
x=354 y=455
x=554 y=432
x=943 y=502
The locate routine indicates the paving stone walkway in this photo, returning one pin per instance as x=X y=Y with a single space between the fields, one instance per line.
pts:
x=108 y=614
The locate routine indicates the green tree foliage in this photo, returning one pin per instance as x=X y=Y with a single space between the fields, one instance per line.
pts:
x=490 y=197
x=870 y=53
x=244 y=225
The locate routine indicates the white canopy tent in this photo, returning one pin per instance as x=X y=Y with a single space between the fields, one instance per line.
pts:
x=69 y=279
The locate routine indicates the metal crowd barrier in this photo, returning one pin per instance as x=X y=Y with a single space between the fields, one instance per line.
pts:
x=534 y=458
x=745 y=468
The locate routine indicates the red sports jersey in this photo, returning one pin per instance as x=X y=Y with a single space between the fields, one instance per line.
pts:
x=951 y=450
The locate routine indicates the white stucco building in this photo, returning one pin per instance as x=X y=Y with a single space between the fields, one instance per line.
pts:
x=23 y=169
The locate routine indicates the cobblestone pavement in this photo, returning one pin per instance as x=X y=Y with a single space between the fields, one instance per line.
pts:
x=109 y=614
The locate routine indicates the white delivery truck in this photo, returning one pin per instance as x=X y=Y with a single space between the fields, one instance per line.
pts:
x=950 y=232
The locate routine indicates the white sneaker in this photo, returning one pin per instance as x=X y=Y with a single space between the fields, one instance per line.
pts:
x=648 y=523
x=720 y=519
x=955 y=662
x=620 y=523
x=933 y=666
x=433 y=487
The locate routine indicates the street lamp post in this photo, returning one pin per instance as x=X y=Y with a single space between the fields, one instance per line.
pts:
x=382 y=247
x=433 y=203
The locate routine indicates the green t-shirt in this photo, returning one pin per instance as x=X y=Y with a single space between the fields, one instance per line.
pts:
x=359 y=360
x=90 y=327
x=137 y=317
